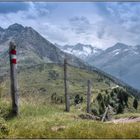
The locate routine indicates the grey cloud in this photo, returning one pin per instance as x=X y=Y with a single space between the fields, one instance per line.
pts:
x=57 y=36
x=80 y=24
x=101 y=31
x=135 y=29
x=53 y=33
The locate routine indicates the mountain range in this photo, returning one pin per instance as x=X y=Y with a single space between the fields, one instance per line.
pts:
x=82 y=51
x=120 y=60
x=33 y=49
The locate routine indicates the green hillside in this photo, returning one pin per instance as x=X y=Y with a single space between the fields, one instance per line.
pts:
x=42 y=107
x=48 y=78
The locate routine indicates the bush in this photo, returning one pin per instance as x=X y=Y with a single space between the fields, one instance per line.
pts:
x=56 y=98
x=99 y=97
x=135 y=103
x=94 y=112
x=78 y=99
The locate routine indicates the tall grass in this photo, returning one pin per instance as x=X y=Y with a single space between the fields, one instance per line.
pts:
x=51 y=121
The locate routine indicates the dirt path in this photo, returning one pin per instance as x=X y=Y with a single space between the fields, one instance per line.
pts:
x=126 y=120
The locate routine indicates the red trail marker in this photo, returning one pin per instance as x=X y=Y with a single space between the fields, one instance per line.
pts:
x=13 y=56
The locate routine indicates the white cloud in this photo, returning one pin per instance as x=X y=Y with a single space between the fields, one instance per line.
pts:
x=99 y=24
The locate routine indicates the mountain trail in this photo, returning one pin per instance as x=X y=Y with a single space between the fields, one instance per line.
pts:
x=125 y=120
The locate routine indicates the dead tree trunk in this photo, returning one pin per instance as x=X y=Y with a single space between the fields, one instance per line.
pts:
x=67 y=101
x=88 y=96
x=104 y=115
x=13 y=77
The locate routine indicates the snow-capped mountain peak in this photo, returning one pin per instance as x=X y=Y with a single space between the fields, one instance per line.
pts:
x=80 y=50
x=120 y=60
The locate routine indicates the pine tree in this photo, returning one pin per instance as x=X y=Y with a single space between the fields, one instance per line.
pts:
x=120 y=108
x=99 y=97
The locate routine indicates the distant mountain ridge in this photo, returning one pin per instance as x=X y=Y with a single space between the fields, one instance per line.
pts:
x=80 y=50
x=120 y=60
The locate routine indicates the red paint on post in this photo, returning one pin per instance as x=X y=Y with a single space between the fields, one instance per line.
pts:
x=13 y=52
x=13 y=56
x=14 y=61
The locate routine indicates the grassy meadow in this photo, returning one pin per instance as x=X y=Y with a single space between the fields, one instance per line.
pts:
x=51 y=121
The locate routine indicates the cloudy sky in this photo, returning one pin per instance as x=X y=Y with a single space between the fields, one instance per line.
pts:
x=99 y=24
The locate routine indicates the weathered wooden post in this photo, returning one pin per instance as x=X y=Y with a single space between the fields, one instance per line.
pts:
x=13 y=76
x=88 y=95
x=67 y=100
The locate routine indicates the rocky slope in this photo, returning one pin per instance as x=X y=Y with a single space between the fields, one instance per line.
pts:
x=32 y=48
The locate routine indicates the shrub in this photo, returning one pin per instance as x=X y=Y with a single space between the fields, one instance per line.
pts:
x=94 y=112
x=56 y=98
x=78 y=99
x=135 y=103
x=99 y=97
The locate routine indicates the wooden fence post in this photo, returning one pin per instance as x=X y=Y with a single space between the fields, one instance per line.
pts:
x=13 y=76
x=67 y=100
x=88 y=96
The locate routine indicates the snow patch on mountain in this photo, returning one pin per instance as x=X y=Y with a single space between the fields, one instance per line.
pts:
x=116 y=52
x=82 y=51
